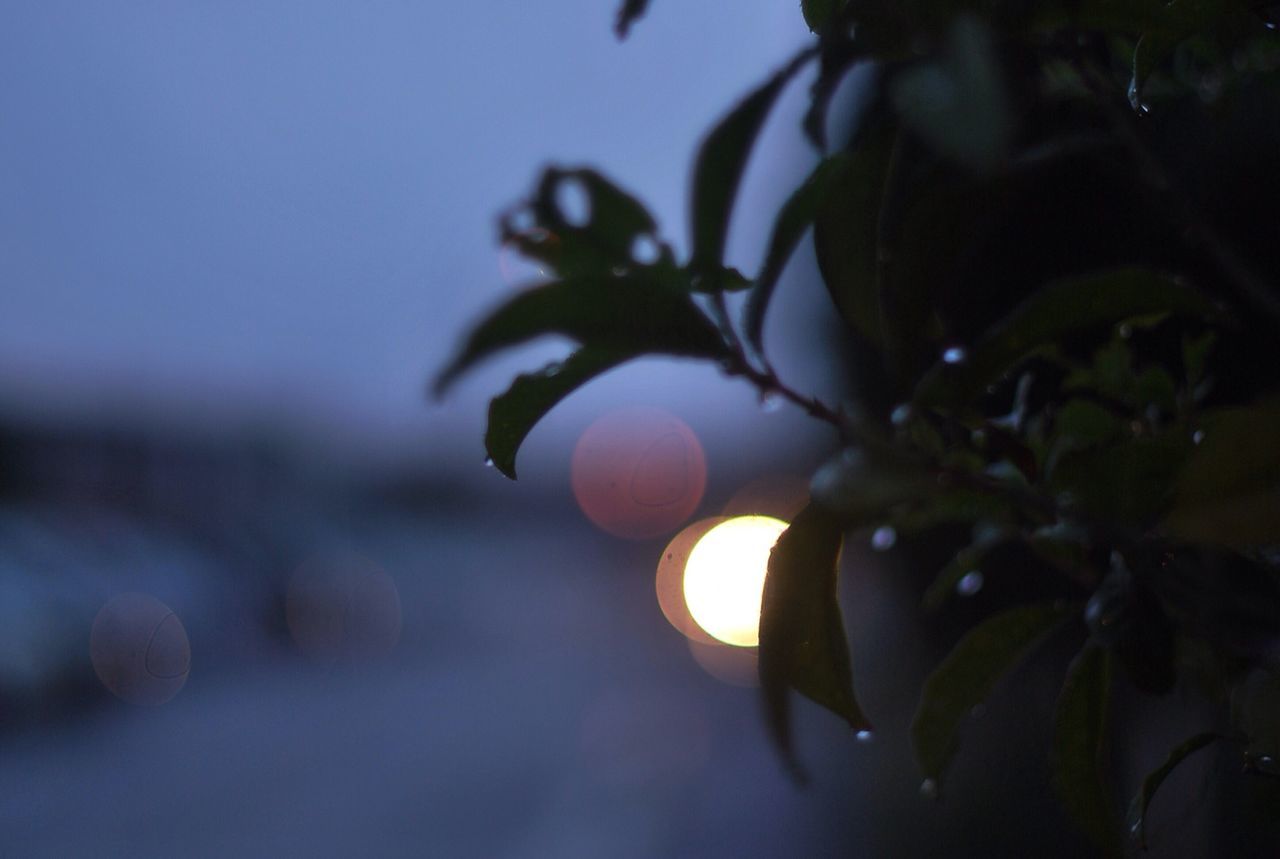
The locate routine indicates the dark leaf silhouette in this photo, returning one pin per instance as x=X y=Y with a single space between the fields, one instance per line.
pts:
x=514 y=413
x=968 y=674
x=802 y=640
x=1079 y=743
x=718 y=170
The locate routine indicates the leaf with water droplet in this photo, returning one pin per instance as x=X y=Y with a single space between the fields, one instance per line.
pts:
x=1060 y=309
x=884 y=538
x=1172 y=24
x=802 y=639
x=1137 y=817
x=514 y=413
x=965 y=561
x=967 y=676
x=1079 y=740
x=718 y=170
x=970 y=583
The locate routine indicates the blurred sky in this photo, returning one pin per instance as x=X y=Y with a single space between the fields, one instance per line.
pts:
x=219 y=213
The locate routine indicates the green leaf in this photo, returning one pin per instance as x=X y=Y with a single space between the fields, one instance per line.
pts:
x=930 y=220
x=604 y=242
x=718 y=170
x=1137 y=817
x=959 y=105
x=1079 y=742
x=818 y=13
x=1060 y=309
x=1127 y=482
x=845 y=232
x=789 y=226
x=1155 y=387
x=635 y=313
x=802 y=639
x=513 y=414
x=968 y=674
x=1081 y=425
x=1229 y=492
x=962 y=563
x=627 y=15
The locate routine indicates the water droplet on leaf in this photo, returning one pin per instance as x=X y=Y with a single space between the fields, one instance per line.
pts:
x=884 y=538
x=488 y=462
x=864 y=736
x=954 y=355
x=770 y=401
x=970 y=583
x=929 y=789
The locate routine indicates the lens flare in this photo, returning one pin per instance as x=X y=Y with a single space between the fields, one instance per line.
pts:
x=638 y=473
x=724 y=577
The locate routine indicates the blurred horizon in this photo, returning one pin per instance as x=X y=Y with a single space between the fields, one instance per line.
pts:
x=231 y=218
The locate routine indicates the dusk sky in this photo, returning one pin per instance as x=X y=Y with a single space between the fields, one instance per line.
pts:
x=220 y=213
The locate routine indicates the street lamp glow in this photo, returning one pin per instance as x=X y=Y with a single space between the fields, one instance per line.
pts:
x=724 y=577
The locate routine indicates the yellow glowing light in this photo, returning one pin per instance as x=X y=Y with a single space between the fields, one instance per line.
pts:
x=724 y=578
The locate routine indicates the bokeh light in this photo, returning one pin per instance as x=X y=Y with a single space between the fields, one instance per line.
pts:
x=638 y=473
x=724 y=577
x=343 y=608
x=669 y=582
x=139 y=649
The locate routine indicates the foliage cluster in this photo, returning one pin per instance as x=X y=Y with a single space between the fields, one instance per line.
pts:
x=1053 y=237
